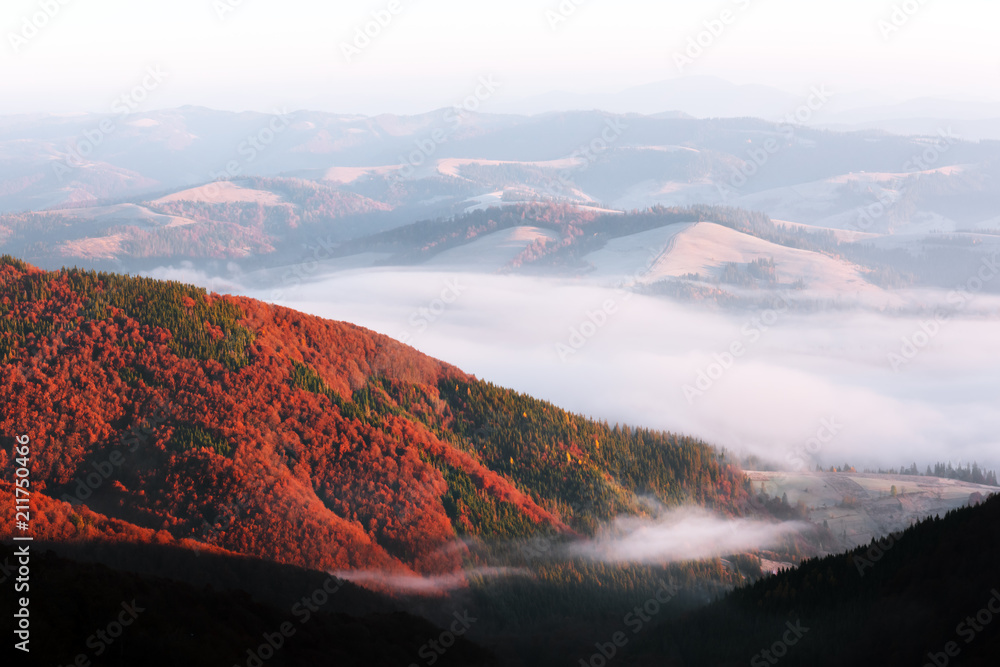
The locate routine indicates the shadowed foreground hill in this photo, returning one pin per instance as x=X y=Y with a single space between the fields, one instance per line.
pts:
x=78 y=609
x=162 y=414
x=907 y=600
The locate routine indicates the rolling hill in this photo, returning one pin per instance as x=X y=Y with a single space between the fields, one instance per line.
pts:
x=180 y=417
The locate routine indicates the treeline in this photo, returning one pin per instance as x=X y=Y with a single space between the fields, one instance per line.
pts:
x=584 y=469
x=501 y=176
x=972 y=472
x=422 y=240
x=581 y=230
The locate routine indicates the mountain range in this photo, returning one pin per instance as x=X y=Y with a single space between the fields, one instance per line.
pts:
x=254 y=198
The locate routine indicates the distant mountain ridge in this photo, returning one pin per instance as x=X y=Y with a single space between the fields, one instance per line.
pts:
x=51 y=161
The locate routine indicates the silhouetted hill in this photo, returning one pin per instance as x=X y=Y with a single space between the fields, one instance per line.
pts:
x=114 y=617
x=906 y=600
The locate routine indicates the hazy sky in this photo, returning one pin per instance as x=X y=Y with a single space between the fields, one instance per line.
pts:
x=238 y=54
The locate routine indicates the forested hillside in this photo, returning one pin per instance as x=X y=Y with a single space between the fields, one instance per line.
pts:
x=176 y=415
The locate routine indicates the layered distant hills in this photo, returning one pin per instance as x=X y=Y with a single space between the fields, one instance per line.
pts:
x=852 y=214
x=435 y=161
x=274 y=234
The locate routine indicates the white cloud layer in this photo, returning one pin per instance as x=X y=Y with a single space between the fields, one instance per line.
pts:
x=804 y=369
x=681 y=535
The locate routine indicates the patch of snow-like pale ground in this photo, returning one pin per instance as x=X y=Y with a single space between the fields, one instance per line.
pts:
x=223 y=192
x=347 y=175
x=705 y=248
x=492 y=252
x=872 y=512
x=102 y=247
x=674 y=251
x=451 y=166
x=631 y=259
x=487 y=200
x=118 y=213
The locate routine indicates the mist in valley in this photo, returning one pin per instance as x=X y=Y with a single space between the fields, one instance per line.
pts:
x=878 y=389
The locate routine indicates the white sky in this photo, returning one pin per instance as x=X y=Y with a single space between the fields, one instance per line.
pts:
x=267 y=53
